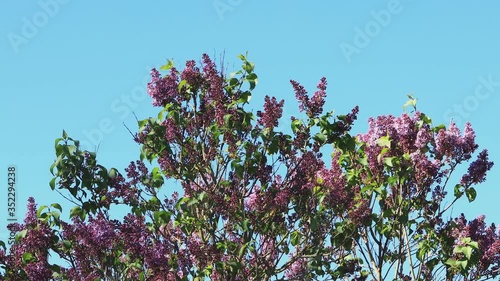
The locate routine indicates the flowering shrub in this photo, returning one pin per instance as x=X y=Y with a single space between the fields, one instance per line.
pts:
x=258 y=203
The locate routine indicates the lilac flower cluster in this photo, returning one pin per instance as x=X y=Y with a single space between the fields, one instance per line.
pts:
x=345 y=123
x=314 y=106
x=163 y=90
x=430 y=156
x=33 y=250
x=488 y=239
x=298 y=269
x=191 y=74
x=477 y=170
x=91 y=247
x=451 y=145
x=344 y=200
x=272 y=112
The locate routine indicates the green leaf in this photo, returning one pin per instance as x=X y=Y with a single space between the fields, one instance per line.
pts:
x=235 y=265
x=27 y=258
x=382 y=153
x=438 y=128
x=432 y=263
x=77 y=211
x=273 y=146
x=295 y=238
x=113 y=173
x=233 y=82
x=71 y=149
x=386 y=230
x=411 y=102
x=458 y=191
x=467 y=251
x=57 y=206
x=248 y=67
x=252 y=76
x=320 y=138
x=363 y=161
x=296 y=124
x=40 y=210
x=21 y=234
x=202 y=196
x=227 y=118
x=66 y=244
x=245 y=97
x=463 y=264
x=162 y=217
x=387 y=213
x=167 y=66
x=252 y=80
x=55 y=215
x=451 y=262
x=52 y=183
x=423 y=248
x=471 y=194
x=245 y=224
x=388 y=161
x=181 y=84
x=243 y=249
x=384 y=141
x=352 y=176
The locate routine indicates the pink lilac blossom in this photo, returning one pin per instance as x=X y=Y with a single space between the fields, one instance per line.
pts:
x=488 y=239
x=335 y=182
x=36 y=242
x=253 y=200
x=163 y=90
x=476 y=172
x=314 y=106
x=272 y=112
x=191 y=74
x=318 y=100
x=215 y=89
x=451 y=145
x=297 y=270
x=172 y=132
x=428 y=158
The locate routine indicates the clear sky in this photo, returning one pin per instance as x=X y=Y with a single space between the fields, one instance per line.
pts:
x=82 y=66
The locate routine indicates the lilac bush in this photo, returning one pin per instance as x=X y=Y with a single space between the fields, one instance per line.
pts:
x=258 y=203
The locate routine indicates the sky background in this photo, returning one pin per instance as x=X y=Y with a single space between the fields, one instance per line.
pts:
x=83 y=66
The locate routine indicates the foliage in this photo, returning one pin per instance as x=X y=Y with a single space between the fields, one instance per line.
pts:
x=258 y=203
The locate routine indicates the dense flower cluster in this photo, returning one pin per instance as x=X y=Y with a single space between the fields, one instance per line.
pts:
x=419 y=160
x=477 y=170
x=34 y=248
x=488 y=239
x=312 y=106
x=272 y=112
x=163 y=90
x=429 y=157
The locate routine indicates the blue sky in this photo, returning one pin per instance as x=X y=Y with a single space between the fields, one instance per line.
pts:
x=82 y=66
